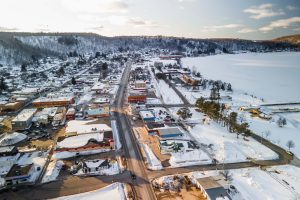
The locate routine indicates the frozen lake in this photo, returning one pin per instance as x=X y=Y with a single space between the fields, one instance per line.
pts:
x=272 y=76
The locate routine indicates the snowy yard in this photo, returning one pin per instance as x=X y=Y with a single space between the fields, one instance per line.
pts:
x=278 y=135
x=254 y=183
x=112 y=192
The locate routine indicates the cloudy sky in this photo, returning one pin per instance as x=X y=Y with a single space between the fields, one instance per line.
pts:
x=250 y=19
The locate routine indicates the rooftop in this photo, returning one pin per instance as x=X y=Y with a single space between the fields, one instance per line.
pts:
x=25 y=115
x=19 y=170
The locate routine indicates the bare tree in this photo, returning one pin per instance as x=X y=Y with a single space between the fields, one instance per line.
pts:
x=290 y=144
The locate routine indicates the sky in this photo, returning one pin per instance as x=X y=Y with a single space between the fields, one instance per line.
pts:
x=248 y=19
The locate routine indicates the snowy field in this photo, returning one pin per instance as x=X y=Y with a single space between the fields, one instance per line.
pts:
x=278 y=135
x=225 y=146
x=272 y=76
x=112 y=192
x=254 y=183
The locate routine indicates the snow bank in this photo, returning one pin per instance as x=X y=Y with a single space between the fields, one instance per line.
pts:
x=152 y=160
x=53 y=170
x=116 y=135
x=112 y=192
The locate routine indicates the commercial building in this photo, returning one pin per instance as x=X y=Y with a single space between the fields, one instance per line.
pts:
x=78 y=127
x=23 y=120
x=97 y=112
x=214 y=187
x=147 y=116
x=169 y=132
x=53 y=102
x=189 y=80
x=137 y=97
x=8 y=151
x=19 y=174
x=70 y=114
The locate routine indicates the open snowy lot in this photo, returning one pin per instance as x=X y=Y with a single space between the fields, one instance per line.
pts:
x=254 y=183
x=272 y=76
x=278 y=135
x=288 y=175
x=112 y=192
x=225 y=146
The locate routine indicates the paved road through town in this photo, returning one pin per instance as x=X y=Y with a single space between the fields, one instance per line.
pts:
x=133 y=155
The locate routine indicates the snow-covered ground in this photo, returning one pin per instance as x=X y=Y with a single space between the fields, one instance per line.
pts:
x=116 y=135
x=112 y=192
x=165 y=92
x=225 y=146
x=188 y=158
x=153 y=162
x=278 y=135
x=272 y=76
x=254 y=183
x=288 y=175
x=53 y=170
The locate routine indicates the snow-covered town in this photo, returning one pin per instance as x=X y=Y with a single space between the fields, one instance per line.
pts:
x=98 y=103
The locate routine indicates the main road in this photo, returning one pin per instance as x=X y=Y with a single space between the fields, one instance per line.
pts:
x=135 y=164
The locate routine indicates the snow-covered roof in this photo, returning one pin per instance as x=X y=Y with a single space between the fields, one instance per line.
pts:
x=81 y=127
x=80 y=140
x=25 y=115
x=145 y=114
x=11 y=138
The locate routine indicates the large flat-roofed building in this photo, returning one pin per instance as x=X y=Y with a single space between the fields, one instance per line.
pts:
x=98 y=112
x=169 y=132
x=147 y=116
x=137 y=97
x=79 y=127
x=19 y=174
x=52 y=102
x=8 y=151
x=213 y=187
x=23 y=120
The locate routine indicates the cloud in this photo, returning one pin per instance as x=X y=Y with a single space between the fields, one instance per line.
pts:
x=8 y=29
x=220 y=27
x=246 y=30
x=96 y=6
x=262 y=11
x=289 y=7
x=138 y=22
x=97 y=28
x=282 y=23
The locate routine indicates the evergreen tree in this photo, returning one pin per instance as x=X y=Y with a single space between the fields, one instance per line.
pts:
x=73 y=81
x=23 y=67
x=3 y=85
x=61 y=71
